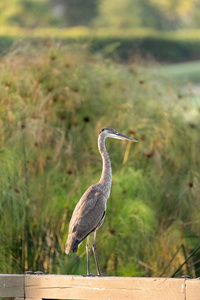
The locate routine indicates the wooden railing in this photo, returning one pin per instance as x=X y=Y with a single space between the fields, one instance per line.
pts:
x=37 y=287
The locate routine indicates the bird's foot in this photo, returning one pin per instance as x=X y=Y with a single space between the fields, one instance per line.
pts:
x=28 y=272
x=34 y=273
x=101 y=274
x=89 y=275
x=39 y=273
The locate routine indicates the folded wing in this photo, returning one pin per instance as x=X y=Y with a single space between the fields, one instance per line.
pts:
x=88 y=215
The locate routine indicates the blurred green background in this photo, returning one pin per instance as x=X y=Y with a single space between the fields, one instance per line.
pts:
x=69 y=68
x=119 y=14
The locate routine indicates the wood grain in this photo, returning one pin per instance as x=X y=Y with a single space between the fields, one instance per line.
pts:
x=193 y=289
x=78 y=287
x=38 y=287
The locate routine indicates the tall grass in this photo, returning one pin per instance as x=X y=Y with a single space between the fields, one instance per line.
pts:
x=54 y=100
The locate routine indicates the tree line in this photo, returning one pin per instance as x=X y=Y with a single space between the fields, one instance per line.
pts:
x=120 y=14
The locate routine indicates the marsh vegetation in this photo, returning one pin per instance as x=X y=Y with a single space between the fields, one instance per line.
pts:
x=54 y=101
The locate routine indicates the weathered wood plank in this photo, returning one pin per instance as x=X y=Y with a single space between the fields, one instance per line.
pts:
x=78 y=287
x=36 y=287
x=192 y=289
x=12 y=285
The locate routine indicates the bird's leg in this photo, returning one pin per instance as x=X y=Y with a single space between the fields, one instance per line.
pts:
x=88 y=261
x=88 y=254
x=95 y=255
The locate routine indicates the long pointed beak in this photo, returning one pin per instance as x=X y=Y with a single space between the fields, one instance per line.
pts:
x=124 y=137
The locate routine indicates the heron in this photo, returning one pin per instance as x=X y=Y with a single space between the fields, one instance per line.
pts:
x=89 y=213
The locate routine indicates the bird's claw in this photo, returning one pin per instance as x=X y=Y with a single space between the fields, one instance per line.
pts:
x=102 y=275
x=33 y=273
x=94 y=275
x=89 y=275
x=39 y=273
x=28 y=272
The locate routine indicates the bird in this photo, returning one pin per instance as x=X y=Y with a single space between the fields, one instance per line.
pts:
x=89 y=213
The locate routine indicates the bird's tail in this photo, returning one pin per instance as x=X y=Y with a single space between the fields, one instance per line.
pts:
x=72 y=244
x=67 y=249
x=68 y=246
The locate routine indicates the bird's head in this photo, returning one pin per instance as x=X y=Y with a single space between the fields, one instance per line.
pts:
x=112 y=133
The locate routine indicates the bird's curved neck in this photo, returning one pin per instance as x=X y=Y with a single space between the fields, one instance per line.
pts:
x=106 y=176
